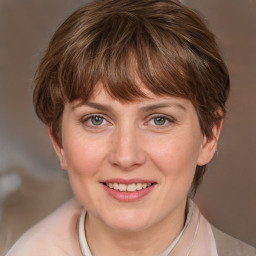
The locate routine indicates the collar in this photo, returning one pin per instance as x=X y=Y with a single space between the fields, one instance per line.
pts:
x=195 y=239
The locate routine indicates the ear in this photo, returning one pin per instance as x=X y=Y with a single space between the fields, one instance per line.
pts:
x=59 y=150
x=209 y=145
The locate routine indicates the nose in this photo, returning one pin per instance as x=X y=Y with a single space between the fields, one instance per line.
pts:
x=126 y=148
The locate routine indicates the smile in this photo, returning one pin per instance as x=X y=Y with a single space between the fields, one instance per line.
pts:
x=128 y=187
x=131 y=190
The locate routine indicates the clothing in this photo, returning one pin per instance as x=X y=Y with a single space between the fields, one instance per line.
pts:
x=229 y=246
x=57 y=235
x=86 y=250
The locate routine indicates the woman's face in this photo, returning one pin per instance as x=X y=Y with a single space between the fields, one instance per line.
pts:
x=132 y=164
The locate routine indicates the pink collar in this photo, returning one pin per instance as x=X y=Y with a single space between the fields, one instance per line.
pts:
x=197 y=239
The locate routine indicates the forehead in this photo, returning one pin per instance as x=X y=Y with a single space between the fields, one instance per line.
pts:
x=101 y=99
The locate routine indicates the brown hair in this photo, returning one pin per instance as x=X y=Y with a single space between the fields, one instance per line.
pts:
x=163 y=43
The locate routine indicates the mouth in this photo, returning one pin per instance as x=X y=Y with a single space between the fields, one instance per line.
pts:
x=133 y=187
x=128 y=190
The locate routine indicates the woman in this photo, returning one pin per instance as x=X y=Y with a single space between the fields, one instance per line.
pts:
x=133 y=94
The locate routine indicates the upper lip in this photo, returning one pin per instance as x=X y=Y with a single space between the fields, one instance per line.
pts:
x=127 y=181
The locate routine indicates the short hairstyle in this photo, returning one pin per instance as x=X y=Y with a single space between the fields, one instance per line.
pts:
x=162 y=42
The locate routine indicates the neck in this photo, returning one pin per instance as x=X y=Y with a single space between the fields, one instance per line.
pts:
x=103 y=240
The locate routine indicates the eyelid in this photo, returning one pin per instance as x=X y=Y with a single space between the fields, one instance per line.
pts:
x=170 y=119
x=85 y=118
x=93 y=115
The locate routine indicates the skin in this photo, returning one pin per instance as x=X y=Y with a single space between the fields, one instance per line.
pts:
x=127 y=141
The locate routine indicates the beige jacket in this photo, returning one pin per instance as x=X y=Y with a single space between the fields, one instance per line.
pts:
x=57 y=235
x=229 y=246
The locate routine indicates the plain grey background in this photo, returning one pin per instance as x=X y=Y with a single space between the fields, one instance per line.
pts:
x=28 y=164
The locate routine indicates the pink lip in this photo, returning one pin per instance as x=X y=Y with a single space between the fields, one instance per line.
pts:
x=128 y=196
x=127 y=181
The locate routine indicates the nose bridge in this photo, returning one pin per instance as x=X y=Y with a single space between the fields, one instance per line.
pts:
x=127 y=150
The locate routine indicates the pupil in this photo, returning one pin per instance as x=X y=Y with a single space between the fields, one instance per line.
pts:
x=159 y=120
x=97 y=120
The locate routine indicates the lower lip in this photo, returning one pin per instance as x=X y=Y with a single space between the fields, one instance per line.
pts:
x=128 y=196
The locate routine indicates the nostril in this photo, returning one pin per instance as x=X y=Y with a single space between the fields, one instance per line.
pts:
x=127 y=160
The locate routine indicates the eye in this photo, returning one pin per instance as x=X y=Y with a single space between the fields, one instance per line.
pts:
x=95 y=120
x=160 y=120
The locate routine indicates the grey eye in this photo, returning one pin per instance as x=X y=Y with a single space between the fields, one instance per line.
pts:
x=96 y=120
x=159 y=120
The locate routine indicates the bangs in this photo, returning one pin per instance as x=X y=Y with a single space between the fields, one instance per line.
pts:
x=120 y=55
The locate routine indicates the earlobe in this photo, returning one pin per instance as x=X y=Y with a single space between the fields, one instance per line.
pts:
x=58 y=149
x=209 y=145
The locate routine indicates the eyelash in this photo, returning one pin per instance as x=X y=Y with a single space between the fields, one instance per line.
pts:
x=168 y=119
x=86 y=120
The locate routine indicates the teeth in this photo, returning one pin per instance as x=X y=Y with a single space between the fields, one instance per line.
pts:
x=130 y=188
x=116 y=186
x=144 y=185
x=139 y=186
x=122 y=187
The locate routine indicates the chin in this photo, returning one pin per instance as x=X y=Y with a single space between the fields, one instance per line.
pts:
x=128 y=222
x=128 y=227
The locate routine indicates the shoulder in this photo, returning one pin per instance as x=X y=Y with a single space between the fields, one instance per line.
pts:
x=230 y=246
x=57 y=234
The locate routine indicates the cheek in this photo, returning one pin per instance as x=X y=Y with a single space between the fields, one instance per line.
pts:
x=84 y=159
x=176 y=156
x=84 y=155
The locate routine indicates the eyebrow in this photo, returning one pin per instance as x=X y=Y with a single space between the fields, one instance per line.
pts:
x=93 y=105
x=147 y=108
x=161 y=105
